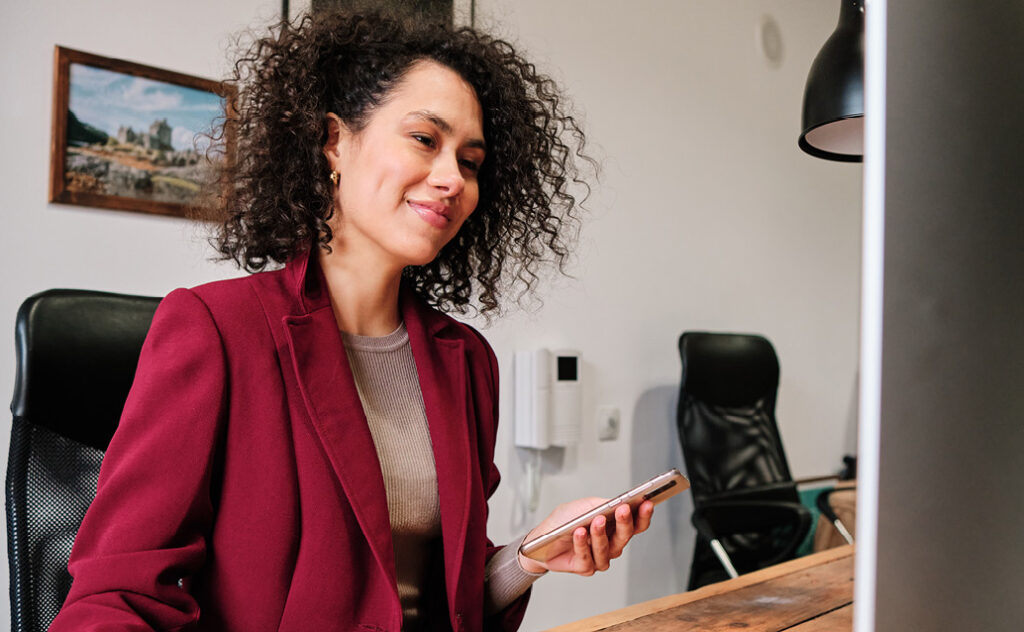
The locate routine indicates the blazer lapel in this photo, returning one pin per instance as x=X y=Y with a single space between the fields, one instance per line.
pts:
x=329 y=392
x=441 y=365
x=332 y=401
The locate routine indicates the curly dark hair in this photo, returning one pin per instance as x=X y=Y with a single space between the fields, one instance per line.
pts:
x=275 y=198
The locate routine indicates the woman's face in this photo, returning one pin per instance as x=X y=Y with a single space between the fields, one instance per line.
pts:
x=408 y=180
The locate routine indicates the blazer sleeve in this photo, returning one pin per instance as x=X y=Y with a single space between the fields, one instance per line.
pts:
x=145 y=533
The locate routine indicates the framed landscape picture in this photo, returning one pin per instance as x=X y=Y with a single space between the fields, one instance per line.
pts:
x=132 y=137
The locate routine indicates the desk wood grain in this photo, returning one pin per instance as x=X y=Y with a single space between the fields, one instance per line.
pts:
x=841 y=619
x=810 y=594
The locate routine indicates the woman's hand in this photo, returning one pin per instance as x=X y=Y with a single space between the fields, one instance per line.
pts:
x=592 y=549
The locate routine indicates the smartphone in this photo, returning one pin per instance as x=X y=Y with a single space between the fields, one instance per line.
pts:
x=557 y=541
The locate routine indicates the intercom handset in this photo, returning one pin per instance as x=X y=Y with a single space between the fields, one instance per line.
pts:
x=548 y=398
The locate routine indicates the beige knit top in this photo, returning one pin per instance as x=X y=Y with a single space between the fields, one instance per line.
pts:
x=388 y=385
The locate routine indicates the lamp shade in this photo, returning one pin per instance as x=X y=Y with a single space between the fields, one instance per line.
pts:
x=833 y=117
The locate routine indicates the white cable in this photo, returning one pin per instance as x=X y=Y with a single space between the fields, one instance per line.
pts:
x=533 y=471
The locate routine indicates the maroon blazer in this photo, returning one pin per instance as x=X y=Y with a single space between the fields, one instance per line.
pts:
x=242 y=490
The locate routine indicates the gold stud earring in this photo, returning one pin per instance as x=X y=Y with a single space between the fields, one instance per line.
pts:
x=335 y=176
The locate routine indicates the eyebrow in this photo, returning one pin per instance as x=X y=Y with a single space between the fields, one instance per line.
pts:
x=443 y=125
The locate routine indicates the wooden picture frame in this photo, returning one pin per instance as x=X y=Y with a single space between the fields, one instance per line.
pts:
x=431 y=10
x=159 y=168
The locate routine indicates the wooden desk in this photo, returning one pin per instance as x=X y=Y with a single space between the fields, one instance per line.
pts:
x=809 y=594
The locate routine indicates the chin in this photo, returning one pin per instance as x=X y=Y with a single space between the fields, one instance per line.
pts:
x=422 y=250
x=421 y=257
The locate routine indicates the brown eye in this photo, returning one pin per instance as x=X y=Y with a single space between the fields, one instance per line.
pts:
x=424 y=139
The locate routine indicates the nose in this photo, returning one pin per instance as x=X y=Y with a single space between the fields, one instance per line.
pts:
x=446 y=176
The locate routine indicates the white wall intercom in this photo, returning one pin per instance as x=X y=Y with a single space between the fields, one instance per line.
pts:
x=548 y=402
x=548 y=398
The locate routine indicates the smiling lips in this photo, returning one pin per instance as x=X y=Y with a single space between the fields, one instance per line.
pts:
x=433 y=213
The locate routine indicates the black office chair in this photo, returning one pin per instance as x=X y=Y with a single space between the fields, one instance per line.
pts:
x=746 y=508
x=76 y=356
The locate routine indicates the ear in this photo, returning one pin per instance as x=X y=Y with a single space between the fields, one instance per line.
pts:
x=336 y=132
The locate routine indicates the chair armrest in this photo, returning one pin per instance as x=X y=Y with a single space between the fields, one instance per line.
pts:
x=717 y=519
x=783 y=491
x=728 y=517
x=720 y=518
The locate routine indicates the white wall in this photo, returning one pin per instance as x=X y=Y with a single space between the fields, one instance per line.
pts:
x=707 y=217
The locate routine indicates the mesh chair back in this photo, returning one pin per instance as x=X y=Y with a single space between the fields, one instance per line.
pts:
x=76 y=354
x=726 y=416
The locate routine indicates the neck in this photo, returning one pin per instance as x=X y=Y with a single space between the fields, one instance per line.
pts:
x=364 y=298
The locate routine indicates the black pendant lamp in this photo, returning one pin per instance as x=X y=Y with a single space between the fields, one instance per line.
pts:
x=833 y=120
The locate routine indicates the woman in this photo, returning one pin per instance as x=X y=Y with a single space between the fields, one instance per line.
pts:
x=311 y=448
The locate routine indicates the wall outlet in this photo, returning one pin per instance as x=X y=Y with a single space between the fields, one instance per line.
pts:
x=608 y=423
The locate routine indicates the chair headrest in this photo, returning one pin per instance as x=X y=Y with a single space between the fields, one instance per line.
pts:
x=77 y=351
x=725 y=369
